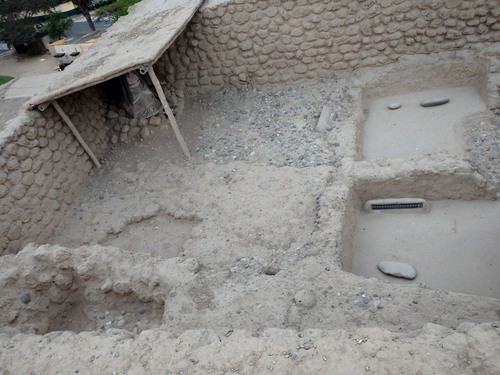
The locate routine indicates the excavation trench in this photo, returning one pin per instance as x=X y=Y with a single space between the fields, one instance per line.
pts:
x=412 y=129
x=395 y=125
x=452 y=243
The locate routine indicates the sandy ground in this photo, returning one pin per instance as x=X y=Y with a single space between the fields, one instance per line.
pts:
x=225 y=256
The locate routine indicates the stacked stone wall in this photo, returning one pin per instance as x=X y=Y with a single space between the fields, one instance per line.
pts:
x=275 y=41
x=42 y=166
x=125 y=129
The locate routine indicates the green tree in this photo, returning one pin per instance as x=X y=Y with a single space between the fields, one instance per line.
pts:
x=57 y=24
x=17 y=25
x=84 y=8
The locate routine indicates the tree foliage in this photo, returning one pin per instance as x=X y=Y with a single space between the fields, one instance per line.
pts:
x=57 y=24
x=116 y=9
x=17 y=25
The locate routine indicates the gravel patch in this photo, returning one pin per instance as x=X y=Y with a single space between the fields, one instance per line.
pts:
x=273 y=125
x=483 y=148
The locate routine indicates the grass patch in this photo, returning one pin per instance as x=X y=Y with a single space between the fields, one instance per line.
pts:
x=5 y=79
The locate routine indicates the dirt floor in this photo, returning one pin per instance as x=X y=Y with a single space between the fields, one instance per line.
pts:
x=223 y=264
x=385 y=129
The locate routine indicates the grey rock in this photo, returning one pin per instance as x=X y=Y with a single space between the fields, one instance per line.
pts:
x=155 y=121
x=432 y=102
x=3 y=191
x=394 y=106
x=25 y=298
x=14 y=232
x=324 y=118
x=12 y=164
x=397 y=269
x=271 y=269
x=112 y=115
x=18 y=191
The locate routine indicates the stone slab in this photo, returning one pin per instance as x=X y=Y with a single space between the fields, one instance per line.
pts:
x=397 y=269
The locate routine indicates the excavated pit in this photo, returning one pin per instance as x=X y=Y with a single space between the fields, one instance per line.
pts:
x=59 y=289
x=83 y=309
x=452 y=243
x=79 y=313
x=411 y=129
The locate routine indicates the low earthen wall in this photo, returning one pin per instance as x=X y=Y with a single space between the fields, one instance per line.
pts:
x=274 y=41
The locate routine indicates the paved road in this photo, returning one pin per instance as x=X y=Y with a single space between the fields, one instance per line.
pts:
x=80 y=26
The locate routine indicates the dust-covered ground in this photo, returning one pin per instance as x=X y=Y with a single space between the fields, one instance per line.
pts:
x=228 y=263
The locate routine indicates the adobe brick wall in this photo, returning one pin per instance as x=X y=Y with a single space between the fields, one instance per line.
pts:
x=275 y=41
x=42 y=166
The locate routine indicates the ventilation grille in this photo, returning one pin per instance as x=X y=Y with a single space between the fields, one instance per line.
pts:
x=397 y=206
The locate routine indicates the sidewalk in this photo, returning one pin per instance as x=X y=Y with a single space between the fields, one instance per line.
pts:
x=32 y=75
x=26 y=87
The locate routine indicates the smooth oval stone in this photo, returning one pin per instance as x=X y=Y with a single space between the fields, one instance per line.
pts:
x=397 y=269
x=432 y=102
x=25 y=298
x=394 y=106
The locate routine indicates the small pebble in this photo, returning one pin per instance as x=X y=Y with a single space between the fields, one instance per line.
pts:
x=394 y=106
x=142 y=310
x=25 y=298
x=271 y=269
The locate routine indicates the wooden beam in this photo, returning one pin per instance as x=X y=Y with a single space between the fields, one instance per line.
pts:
x=168 y=111
x=76 y=133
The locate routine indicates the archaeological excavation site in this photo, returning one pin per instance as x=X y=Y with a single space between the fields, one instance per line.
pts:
x=260 y=186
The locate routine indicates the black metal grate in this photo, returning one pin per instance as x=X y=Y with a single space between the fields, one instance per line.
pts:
x=397 y=206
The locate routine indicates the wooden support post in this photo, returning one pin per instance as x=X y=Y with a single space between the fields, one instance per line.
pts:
x=76 y=133
x=168 y=111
